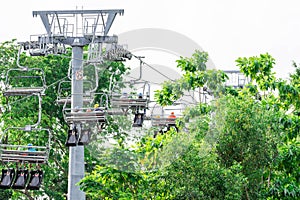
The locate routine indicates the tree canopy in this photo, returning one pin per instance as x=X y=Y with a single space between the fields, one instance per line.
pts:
x=243 y=144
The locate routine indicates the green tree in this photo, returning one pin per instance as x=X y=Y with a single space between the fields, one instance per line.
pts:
x=283 y=175
x=195 y=77
x=248 y=135
x=19 y=111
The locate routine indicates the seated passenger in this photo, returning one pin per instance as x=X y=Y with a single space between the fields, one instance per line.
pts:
x=30 y=148
x=124 y=95
x=97 y=108
x=140 y=96
x=171 y=122
x=172 y=116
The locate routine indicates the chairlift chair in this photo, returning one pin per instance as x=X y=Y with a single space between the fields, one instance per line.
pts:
x=42 y=45
x=25 y=147
x=24 y=81
x=166 y=116
x=95 y=112
x=64 y=92
x=236 y=79
x=133 y=101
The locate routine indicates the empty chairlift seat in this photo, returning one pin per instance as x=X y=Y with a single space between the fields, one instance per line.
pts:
x=64 y=93
x=24 y=81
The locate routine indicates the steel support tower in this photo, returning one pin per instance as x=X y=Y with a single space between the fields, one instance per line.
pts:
x=76 y=28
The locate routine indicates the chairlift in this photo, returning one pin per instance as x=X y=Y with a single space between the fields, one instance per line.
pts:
x=64 y=92
x=25 y=147
x=236 y=79
x=131 y=100
x=42 y=45
x=94 y=112
x=24 y=81
x=165 y=117
x=133 y=94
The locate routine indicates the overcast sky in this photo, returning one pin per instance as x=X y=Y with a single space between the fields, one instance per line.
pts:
x=226 y=29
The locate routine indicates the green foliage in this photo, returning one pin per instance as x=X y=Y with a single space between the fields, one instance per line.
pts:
x=110 y=183
x=243 y=145
x=249 y=135
x=195 y=63
x=195 y=76
x=259 y=68
x=21 y=111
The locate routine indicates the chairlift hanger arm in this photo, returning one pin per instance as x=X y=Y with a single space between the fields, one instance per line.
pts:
x=18 y=58
x=141 y=70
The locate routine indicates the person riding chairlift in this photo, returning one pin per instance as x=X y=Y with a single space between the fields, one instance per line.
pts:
x=171 y=122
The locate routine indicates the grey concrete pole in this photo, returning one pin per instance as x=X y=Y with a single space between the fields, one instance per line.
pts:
x=76 y=154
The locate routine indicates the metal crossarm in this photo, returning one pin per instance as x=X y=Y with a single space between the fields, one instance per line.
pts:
x=63 y=26
x=48 y=17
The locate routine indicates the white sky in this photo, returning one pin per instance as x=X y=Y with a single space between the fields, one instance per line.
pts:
x=226 y=29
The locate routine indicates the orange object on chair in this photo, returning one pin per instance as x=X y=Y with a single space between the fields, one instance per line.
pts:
x=172 y=115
